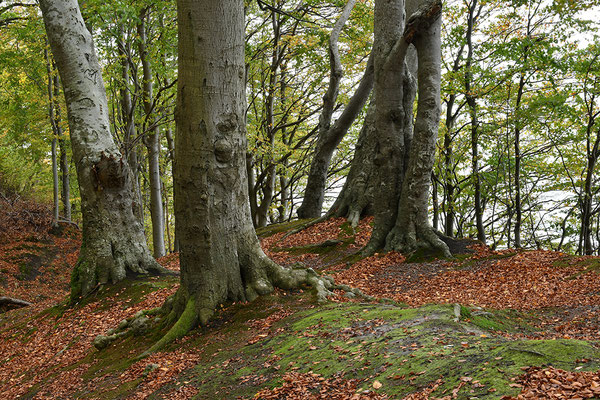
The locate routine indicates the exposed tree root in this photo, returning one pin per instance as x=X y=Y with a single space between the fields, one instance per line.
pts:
x=138 y=324
x=186 y=322
x=196 y=313
x=110 y=261
x=13 y=303
x=419 y=238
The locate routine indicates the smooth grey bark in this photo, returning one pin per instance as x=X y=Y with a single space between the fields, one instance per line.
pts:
x=63 y=161
x=55 y=133
x=330 y=135
x=152 y=142
x=412 y=227
x=129 y=147
x=220 y=255
x=55 y=195
x=113 y=242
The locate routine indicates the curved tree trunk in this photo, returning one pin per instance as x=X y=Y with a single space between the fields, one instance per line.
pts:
x=113 y=240
x=331 y=136
x=401 y=164
x=220 y=256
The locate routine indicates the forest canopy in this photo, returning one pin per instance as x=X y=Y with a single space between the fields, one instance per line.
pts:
x=518 y=141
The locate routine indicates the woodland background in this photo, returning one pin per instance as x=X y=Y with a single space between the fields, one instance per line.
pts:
x=520 y=89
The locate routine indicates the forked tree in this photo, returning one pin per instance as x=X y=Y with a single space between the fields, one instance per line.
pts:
x=114 y=244
x=390 y=174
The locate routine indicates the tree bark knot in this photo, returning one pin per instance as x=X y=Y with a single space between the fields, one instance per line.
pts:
x=109 y=172
x=422 y=19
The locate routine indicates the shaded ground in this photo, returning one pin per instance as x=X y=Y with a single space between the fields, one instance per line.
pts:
x=489 y=325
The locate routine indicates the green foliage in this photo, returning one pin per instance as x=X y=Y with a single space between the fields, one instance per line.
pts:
x=525 y=45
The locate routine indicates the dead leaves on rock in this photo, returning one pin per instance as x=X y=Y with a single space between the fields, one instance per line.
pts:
x=551 y=383
x=311 y=386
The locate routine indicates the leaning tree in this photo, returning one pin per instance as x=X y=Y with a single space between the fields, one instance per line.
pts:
x=114 y=244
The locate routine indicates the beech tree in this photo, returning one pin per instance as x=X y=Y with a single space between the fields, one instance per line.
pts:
x=113 y=239
x=402 y=154
x=220 y=255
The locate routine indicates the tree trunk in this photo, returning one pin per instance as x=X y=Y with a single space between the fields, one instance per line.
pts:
x=220 y=256
x=127 y=114
x=356 y=197
x=389 y=118
x=65 y=180
x=55 y=133
x=593 y=152
x=113 y=240
x=435 y=201
x=472 y=104
x=152 y=141
x=412 y=227
x=331 y=136
x=62 y=146
x=55 y=195
x=404 y=163
x=450 y=184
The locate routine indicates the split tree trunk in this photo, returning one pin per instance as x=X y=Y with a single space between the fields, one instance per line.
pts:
x=113 y=240
x=412 y=226
x=401 y=163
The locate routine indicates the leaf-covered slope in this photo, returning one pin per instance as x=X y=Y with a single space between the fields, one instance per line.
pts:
x=285 y=347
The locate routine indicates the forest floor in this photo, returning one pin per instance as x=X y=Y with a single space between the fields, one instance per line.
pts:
x=487 y=325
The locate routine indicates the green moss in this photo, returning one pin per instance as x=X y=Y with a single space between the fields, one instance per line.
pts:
x=318 y=248
x=76 y=282
x=346 y=231
x=25 y=271
x=425 y=254
x=185 y=323
x=406 y=349
x=282 y=227
x=116 y=392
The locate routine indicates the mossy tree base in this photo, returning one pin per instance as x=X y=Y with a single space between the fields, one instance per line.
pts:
x=186 y=310
x=110 y=260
